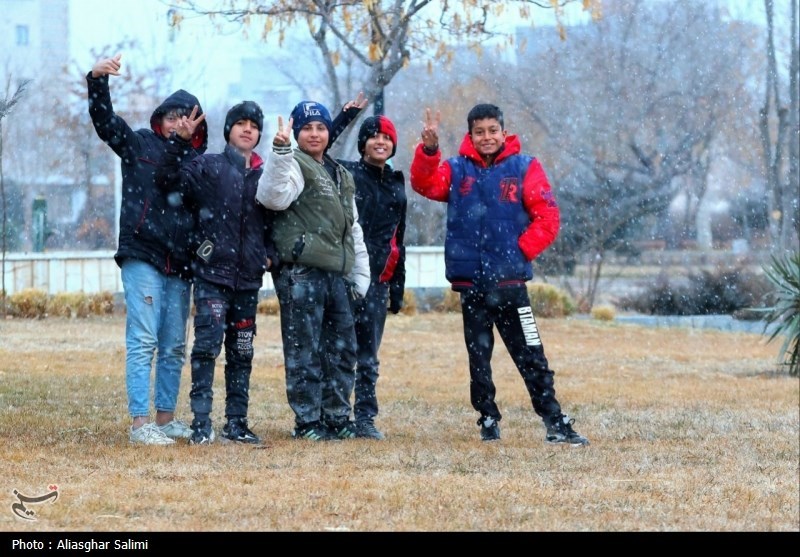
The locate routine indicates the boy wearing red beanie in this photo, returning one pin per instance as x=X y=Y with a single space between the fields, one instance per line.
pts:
x=381 y=202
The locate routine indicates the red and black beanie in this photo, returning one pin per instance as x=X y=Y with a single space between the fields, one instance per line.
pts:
x=373 y=126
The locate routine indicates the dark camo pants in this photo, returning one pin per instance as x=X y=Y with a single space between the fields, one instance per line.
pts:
x=319 y=343
x=222 y=316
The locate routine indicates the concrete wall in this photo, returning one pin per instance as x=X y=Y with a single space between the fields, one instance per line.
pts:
x=91 y=272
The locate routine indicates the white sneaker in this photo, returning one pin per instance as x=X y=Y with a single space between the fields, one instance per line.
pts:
x=176 y=429
x=149 y=434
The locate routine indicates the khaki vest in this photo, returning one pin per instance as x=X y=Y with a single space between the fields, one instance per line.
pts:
x=317 y=228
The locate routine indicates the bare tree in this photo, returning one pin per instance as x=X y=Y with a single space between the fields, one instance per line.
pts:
x=7 y=104
x=631 y=108
x=382 y=35
x=794 y=125
x=773 y=125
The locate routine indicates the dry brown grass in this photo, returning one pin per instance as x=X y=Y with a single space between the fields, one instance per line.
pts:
x=691 y=431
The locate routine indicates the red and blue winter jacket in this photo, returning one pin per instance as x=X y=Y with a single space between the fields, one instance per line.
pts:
x=499 y=217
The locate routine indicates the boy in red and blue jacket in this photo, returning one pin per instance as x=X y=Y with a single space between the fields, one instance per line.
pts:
x=501 y=214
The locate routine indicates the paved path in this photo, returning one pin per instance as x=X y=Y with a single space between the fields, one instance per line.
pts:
x=719 y=322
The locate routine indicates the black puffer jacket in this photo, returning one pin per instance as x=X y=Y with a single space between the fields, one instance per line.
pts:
x=222 y=193
x=382 y=204
x=153 y=226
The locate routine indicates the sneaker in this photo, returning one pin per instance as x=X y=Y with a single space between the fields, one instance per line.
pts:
x=236 y=430
x=176 y=429
x=202 y=433
x=490 y=428
x=149 y=434
x=559 y=431
x=367 y=430
x=313 y=431
x=343 y=430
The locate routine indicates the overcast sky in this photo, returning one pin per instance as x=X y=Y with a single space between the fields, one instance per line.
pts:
x=96 y=24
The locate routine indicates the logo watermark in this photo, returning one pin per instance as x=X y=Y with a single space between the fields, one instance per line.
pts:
x=27 y=512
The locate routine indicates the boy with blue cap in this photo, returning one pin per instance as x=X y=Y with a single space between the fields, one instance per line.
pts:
x=324 y=263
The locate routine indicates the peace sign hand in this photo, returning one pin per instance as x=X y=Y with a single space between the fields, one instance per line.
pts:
x=188 y=124
x=283 y=136
x=359 y=102
x=430 y=131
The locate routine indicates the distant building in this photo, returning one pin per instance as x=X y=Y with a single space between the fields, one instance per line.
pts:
x=34 y=44
x=34 y=36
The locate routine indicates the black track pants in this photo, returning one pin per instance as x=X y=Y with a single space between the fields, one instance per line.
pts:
x=509 y=309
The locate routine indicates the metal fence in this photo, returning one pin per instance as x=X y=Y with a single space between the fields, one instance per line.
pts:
x=92 y=272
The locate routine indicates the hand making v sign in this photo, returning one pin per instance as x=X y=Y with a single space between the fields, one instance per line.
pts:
x=187 y=125
x=430 y=132
x=284 y=134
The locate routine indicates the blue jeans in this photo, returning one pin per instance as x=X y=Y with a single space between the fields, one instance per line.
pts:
x=157 y=308
x=319 y=343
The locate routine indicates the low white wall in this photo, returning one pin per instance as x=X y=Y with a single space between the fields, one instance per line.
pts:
x=91 y=272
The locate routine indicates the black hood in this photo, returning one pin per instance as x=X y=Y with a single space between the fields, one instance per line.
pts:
x=182 y=100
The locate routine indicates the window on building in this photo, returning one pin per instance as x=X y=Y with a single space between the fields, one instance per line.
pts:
x=22 y=35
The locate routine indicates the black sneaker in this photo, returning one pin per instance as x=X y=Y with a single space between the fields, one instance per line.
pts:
x=313 y=431
x=202 y=433
x=559 y=431
x=236 y=430
x=343 y=430
x=490 y=428
x=367 y=430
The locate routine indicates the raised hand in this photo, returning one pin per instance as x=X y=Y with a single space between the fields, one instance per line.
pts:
x=430 y=131
x=188 y=124
x=284 y=134
x=107 y=66
x=359 y=102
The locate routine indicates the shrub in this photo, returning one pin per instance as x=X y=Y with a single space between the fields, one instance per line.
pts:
x=549 y=301
x=721 y=291
x=409 y=302
x=68 y=304
x=269 y=305
x=784 y=315
x=451 y=303
x=603 y=313
x=101 y=303
x=29 y=303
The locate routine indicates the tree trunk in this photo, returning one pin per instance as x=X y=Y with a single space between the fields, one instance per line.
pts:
x=790 y=232
x=773 y=125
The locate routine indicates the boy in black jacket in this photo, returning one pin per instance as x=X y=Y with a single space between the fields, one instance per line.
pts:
x=381 y=202
x=152 y=253
x=235 y=251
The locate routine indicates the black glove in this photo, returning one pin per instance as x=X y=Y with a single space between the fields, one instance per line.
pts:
x=396 y=292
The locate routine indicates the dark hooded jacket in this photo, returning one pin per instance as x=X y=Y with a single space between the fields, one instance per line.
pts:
x=235 y=228
x=154 y=226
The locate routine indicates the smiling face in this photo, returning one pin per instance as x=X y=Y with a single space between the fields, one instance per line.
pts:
x=313 y=139
x=244 y=135
x=378 y=149
x=488 y=136
x=169 y=122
